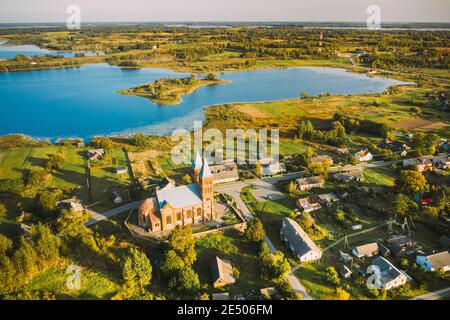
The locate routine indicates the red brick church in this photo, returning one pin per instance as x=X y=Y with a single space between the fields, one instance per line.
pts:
x=183 y=205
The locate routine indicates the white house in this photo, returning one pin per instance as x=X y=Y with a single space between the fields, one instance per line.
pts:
x=273 y=169
x=363 y=156
x=301 y=245
x=390 y=277
x=436 y=261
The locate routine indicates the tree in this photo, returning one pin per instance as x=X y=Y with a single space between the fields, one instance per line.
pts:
x=341 y=294
x=431 y=212
x=304 y=95
x=140 y=140
x=411 y=181
x=424 y=144
x=3 y=212
x=54 y=162
x=172 y=263
x=211 y=77
x=5 y=244
x=309 y=154
x=255 y=230
x=183 y=244
x=187 y=179
x=306 y=220
x=333 y=277
x=404 y=206
x=277 y=266
x=186 y=280
x=292 y=189
x=47 y=201
x=319 y=168
x=137 y=269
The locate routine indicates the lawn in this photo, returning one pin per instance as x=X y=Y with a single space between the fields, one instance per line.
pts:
x=12 y=162
x=103 y=178
x=54 y=280
x=231 y=246
x=380 y=177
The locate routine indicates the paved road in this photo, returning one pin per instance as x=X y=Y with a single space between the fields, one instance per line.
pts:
x=97 y=217
x=436 y=295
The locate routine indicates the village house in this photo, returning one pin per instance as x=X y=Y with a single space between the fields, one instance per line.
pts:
x=273 y=169
x=422 y=163
x=121 y=170
x=227 y=172
x=305 y=184
x=328 y=198
x=435 y=261
x=301 y=245
x=346 y=177
x=442 y=161
x=221 y=273
x=367 y=250
x=396 y=146
x=70 y=204
x=183 y=205
x=309 y=204
x=363 y=156
x=322 y=160
x=402 y=246
x=390 y=276
x=96 y=154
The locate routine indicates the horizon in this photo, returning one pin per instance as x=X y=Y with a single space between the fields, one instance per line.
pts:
x=115 y=11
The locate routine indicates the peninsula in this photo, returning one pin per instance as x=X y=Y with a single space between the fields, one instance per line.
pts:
x=169 y=91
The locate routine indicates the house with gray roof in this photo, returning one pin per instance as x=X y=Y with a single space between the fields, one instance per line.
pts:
x=389 y=277
x=435 y=261
x=221 y=272
x=366 y=250
x=301 y=245
x=223 y=173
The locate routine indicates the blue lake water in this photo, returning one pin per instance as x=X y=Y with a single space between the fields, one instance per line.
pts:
x=9 y=52
x=82 y=102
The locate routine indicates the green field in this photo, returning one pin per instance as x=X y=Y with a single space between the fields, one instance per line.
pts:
x=103 y=178
x=54 y=280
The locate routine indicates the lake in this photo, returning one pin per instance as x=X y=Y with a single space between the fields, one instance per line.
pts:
x=9 y=52
x=82 y=102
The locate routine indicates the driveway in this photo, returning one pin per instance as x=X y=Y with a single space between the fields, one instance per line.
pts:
x=97 y=217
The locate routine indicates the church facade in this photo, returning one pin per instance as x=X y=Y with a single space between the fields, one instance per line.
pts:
x=183 y=205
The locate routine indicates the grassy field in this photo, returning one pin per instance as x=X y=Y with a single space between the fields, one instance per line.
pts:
x=378 y=177
x=72 y=175
x=243 y=255
x=54 y=280
x=103 y=178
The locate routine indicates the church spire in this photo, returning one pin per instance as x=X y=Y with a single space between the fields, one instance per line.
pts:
x=197 y=165
x=206 y=171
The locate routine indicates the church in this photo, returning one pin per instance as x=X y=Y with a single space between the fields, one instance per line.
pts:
x=183 y=205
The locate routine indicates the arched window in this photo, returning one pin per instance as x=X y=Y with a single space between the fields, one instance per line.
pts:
x=189 y=213
x=169 y=220
x=199 y=212
x=179 y=217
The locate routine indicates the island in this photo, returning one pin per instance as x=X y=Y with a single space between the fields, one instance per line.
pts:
x=168 y=91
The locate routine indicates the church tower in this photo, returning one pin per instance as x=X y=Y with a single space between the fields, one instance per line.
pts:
x=206 y=184
x=196 y=167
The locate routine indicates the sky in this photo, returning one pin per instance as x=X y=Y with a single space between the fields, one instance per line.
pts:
x=224 y=10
